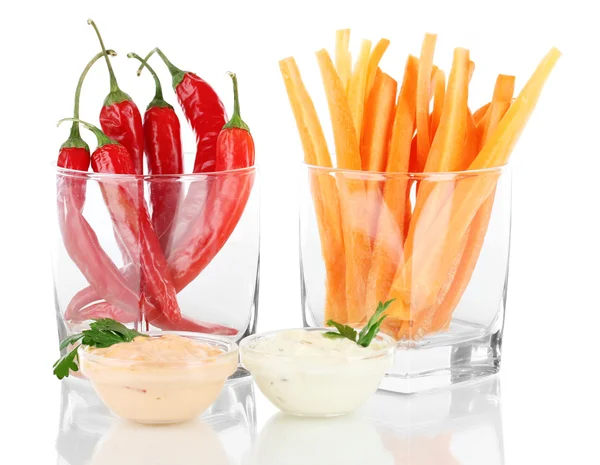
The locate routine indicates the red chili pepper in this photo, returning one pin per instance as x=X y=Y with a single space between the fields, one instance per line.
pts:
x=79 y=238
x=162 y=140
x=226 y=202
x=120 y=117
x=132 y=224
x=203 y=109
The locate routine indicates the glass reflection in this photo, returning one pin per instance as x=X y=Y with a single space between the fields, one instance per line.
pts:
x=458 y=425
x=90 y=435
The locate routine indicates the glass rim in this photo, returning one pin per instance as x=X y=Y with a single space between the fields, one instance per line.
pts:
x=389 y=346
x=440 y=175
x=71 y=173
x=209 y=339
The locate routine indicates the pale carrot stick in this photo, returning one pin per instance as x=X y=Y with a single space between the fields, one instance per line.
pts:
x=373 y=65
x=352 y=191
x=377 y=124
x=447 y=302
x=357 y=86
x=423 y=99
x=436 y=257
x=438 y=101
x=343 y=59
x=471 y=69
x=323 y=187
x=394 y=215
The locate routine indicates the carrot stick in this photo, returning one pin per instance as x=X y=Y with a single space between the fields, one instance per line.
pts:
x=438 y=101
x=423 y=99
x=502 y=98
x=323 y=187
x=343 y=59
x=373 y=64
x=377 y=124
x=436 y=257
x=393 y=217
x=445 y=154
x=480 y=113
x=357 y=86
x=352 y=191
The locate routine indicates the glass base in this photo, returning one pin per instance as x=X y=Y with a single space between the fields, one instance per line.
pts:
x=465 y=352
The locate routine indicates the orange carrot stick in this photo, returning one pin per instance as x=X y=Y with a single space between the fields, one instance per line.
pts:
x=501 y=100
x=436 y=257
x=352 y=192
x=323 y=187
x=373 y=65
x=393 y=219
x=343 y=59
x=438 y=101
x=423 y=99
x=377 y=125
x=357 y=86
x=445 y=154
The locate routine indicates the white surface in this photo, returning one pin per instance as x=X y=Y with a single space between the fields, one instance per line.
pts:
x=549 y=405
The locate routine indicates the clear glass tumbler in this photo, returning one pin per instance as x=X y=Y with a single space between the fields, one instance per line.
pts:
x=164 y=252
x=436 y=243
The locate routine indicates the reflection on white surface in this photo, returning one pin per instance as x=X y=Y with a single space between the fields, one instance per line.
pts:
x=459 y=425
x=91 y=435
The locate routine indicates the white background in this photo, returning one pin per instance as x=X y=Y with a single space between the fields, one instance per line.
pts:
x=550 y=363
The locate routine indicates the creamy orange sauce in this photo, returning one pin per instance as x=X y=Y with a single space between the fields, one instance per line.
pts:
x=165 y=379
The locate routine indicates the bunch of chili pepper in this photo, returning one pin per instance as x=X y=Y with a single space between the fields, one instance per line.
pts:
x=167 y=251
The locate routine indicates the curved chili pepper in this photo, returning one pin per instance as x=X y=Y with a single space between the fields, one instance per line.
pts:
x=132 y=224
x=203 y=109
x=226 y=202
x=120 y=117
x=79 y=238
x=162 y=140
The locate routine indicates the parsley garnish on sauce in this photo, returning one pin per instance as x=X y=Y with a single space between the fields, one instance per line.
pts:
x=367 y=334
x=102 y=333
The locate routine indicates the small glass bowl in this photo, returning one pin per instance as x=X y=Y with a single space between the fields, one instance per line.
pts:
x=317 y=386
x=161 y=392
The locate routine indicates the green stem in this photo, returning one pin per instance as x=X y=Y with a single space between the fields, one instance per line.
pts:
x=102 y=138
x=176 y=73
x=75 y=136
x=116 y=95
x=236 y=120
x=158 y=100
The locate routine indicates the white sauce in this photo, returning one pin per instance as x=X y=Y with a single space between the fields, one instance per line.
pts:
x=304 y=373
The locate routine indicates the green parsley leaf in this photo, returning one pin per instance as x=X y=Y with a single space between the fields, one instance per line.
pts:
x=66 y=364
x=345 y=331
x=367 y=334
x=103 y=333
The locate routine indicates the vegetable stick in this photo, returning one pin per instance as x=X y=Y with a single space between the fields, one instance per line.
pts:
x=502 y=98
x=357 y=86
x=352 y=191
x=445 y=155
x=343 y=58
x=393 y=218
x=435 y=256
x=471 y=145
x=423 y=99
x=471 y=69
x=377 y=124
x=480 y=113
x=373 y=64
x=324 y=189
x=438 y=101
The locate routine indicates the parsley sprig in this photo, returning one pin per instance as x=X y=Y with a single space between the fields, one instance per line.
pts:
x=367 y=334
x=102 y=333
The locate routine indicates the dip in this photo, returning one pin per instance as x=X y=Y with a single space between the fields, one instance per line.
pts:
x=164 y=378
x=304 y=373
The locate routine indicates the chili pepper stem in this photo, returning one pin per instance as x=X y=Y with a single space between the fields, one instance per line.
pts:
x=158 y=100
x=116 y=95
x=102 y=138
x=75 y=140
x=176 y=73
x=236 y=119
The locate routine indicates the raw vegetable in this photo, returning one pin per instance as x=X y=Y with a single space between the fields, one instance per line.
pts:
x=423 y=257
